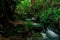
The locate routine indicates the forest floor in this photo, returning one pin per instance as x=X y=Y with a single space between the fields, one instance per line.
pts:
x=15 y=38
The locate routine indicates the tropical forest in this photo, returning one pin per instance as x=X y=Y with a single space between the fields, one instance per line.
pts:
x=29 y=19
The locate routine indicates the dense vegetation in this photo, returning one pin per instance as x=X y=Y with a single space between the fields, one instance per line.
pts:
x=14 y=15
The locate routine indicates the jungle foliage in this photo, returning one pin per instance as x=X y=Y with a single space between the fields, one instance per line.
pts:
x=21 y=10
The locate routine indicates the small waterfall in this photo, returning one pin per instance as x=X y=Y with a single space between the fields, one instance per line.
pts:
x=44 y=35
x=51 y=33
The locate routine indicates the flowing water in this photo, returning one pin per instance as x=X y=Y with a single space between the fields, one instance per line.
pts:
x=50 y=35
